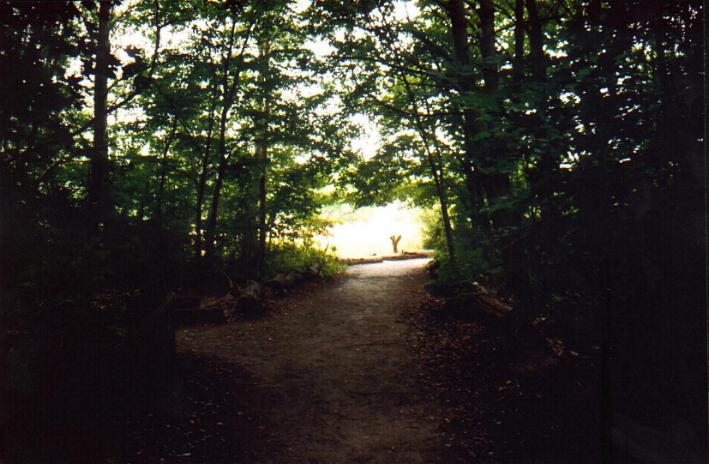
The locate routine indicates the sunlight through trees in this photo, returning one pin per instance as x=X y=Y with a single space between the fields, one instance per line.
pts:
x=552 y=150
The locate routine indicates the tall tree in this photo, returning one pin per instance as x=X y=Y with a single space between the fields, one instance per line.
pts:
x=97 y=197
x=232 y=67
x=262 y=153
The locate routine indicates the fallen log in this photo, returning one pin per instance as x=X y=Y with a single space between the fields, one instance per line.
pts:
x=251 y=299
x=282 y=282
x=408 y=255
x=399 y=257
x=471 y=300
x=251 y=290
x=354 y=261
x=489 y=303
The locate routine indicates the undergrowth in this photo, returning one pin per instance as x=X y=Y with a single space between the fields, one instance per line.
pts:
x=285 y=257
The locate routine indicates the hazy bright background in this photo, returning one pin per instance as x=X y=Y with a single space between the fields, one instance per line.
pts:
x=365 y=232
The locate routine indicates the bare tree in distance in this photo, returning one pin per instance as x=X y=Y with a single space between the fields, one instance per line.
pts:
x=395 y=242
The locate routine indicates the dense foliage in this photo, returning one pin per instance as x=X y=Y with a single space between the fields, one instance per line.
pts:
x=207 y=140
x=562 y=143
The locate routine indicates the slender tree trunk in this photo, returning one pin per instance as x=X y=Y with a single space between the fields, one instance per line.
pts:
x=546 y=161
x=443 y=203
x=518 y=64
x=262 y=226
x=202 y=179
x=227 y=101
x=435 y=163
x=163 y=174
x=143 y=202
x=210 y=230
x=435 y=160
x=436 y=169
x=199 y=205
x=99 y=156
x=262 y=154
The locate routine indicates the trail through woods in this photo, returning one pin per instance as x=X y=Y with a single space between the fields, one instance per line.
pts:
x=330 y=376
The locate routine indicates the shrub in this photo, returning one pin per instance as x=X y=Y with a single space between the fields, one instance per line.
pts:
x=284 y=257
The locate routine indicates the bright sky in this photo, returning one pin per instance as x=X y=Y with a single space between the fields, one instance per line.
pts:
x=365 y=232
x=368 y=142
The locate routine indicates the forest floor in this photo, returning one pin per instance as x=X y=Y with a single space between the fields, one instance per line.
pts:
x=363 y=369
x=330 y=373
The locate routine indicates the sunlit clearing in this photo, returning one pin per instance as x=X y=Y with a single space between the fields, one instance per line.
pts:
x=365 y=232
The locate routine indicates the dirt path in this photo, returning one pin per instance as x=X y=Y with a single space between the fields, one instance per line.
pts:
x=334 y=379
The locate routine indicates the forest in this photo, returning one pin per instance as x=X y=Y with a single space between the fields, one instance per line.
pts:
x=153 y=151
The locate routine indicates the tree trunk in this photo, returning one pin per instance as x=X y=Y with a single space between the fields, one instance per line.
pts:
x=518 y=64
x=435 y=167
x=443 y=203
x=202 y=179
x=435 y=163
x=546 y=163
x=536 y=42
x=395 y=239
x=496 y=183
x=99 y=156
x=163 y=174
x=487 y=45
x=143 y=202
x=456 y=13
x=263 y=160
x=262 y=153
x=209 y=235
x=227 y=101
x=210 y=230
